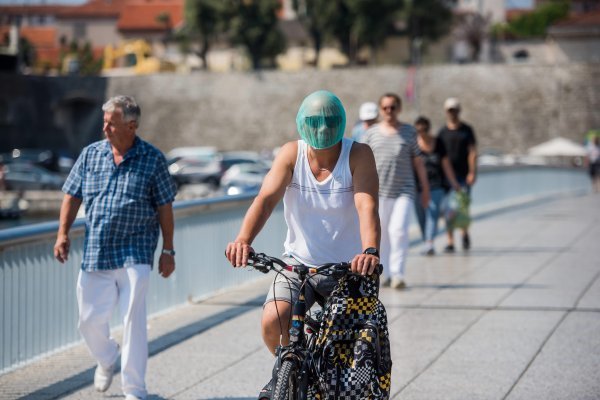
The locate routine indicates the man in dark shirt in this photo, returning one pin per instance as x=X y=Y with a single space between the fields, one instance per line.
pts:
x=461 y=147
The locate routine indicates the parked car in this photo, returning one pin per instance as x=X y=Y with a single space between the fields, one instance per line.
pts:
x=244 y=177
x=26 y=176
x=206 y=165
x=41 y=157
x=195 y=165
x=231 y=158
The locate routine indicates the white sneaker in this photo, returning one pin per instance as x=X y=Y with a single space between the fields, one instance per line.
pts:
x=103 y=377
x=398 y=283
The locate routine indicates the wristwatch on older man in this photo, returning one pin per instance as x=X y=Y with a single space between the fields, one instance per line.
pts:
x=168 y=252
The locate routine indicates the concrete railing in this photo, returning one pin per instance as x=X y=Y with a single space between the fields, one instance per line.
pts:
x=38 y=308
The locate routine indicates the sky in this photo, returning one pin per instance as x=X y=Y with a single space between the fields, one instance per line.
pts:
x=508 y=3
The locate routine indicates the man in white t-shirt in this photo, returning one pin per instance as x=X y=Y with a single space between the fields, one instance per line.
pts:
x=329 y=188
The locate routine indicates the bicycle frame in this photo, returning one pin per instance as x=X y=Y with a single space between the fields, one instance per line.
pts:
x=300 y=345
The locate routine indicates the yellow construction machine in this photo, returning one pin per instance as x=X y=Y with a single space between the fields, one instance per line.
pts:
x=133 y=57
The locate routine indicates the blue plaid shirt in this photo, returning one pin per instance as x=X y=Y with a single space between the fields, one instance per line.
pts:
x=120 y=203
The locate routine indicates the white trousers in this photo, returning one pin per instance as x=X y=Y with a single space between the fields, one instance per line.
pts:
x=394 y=215
x=98 y=292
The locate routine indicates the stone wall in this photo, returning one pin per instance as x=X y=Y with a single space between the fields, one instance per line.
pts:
x=511 y=107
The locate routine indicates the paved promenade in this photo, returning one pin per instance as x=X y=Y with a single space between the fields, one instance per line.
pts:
x=518 y=317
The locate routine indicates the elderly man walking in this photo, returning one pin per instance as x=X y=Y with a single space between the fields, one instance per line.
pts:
x=127 y=192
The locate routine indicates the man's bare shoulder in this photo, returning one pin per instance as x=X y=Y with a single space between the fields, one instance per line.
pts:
x=287 y=153
x=360 y=151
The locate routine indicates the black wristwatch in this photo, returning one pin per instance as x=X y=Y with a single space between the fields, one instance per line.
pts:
x=372 y=251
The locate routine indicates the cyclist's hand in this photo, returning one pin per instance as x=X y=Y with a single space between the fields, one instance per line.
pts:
x=364 y=264
x=237 y=253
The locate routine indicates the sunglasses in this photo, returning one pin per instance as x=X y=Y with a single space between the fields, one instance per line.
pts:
x=316 y=121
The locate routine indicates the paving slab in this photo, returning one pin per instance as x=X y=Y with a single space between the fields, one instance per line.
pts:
x=485 y=360
x=515 y=317
x=568 y=366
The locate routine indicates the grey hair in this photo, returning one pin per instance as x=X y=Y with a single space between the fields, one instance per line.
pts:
x=130 y=109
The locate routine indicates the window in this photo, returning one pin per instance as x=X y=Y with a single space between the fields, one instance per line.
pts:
x=79 y=30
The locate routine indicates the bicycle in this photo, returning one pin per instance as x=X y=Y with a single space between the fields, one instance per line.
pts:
x=296 y=364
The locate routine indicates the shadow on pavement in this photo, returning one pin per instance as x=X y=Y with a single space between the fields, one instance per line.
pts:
x=478 y=286
x=161 y=343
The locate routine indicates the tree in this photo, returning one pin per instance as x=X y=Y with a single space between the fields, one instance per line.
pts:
x=534 y=24
x=205 y=20
x=79 y=60
x=372 y=22
x=353 y=23
x=316 y=15
x=253 y=24
x=425 y=20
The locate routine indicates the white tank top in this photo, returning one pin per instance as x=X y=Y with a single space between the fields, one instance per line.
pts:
x=321 y=216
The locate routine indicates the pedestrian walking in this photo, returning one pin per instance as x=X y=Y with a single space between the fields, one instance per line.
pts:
x=593 y=160
x=367 y=115
x=439 y=170
x=461 y=146
x=397 y=156
x=127 y=192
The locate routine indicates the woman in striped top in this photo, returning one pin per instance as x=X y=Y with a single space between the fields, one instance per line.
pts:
x=397 y=156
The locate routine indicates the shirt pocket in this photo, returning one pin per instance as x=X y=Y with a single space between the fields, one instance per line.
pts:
x=96 y=180
x=137 y=185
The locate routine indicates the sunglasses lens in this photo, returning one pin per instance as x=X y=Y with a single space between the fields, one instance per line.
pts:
x=316 y=121
x=332 y=122
x=313 y=121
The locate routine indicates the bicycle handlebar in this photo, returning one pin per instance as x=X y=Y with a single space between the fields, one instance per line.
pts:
x=264 y=263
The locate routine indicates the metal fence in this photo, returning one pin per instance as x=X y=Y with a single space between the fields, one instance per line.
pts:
x=38 y=308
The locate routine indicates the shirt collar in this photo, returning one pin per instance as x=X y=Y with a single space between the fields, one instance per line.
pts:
x=138 y=148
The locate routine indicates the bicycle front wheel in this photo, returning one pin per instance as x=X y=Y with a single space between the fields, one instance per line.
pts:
x=286 y=387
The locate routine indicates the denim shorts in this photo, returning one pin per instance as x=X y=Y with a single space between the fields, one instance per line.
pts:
x=286 y=286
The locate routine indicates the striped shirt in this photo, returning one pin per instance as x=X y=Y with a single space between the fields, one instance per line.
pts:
x=121 y=217
x=393 y=157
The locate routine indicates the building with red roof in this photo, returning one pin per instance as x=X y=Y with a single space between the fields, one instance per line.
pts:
x=578 y=37
x=100 y=22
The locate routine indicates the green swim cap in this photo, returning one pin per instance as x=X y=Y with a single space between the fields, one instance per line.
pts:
x=321 y=119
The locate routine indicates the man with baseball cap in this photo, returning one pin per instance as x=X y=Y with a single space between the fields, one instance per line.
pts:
x=461 y=145
x=367 y=115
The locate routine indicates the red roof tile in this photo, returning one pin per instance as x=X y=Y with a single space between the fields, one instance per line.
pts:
x=32 y=9
x=39 y=37
x=94 y=9
x=143 y=15
x=587 y=19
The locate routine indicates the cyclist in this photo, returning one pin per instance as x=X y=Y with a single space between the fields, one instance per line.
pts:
x=329 y=187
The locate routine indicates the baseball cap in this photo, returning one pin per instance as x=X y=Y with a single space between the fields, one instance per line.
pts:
x=368 y=111
x=451 y=103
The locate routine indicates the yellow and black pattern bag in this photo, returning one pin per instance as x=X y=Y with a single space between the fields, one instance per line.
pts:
x=353 y=349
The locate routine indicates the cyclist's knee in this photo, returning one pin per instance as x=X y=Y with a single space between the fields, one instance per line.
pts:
x=276 y=316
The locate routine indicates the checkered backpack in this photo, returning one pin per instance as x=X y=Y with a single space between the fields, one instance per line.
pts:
x=353 y=349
